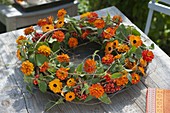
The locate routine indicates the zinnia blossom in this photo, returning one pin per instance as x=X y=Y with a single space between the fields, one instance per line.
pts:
x=85 y=34
x=55 y=86
x=108 y=59
x=71 y=82
x=44 y=67
x=135 y=78
x=45 y=50
x=135 y=40
x=62 y=73
x=70 y=96
x=123 y=80
x=109 y=33
x=63 y=58
x=90 y=66
x=29 y=30
x=117 y=19
x=123 y=48
x=59 y=35
x=42 y=22
x=147 y=55
x=92 y=17
x=27 y=67
x=73 y=42
x=47 y=27
x=20 y=39
x=96 y=90
x=61 y=13
x=99 y=23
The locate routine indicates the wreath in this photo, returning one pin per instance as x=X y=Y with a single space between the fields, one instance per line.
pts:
x=115 y=56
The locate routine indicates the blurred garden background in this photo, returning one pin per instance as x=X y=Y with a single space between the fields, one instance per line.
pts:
x=136 y=11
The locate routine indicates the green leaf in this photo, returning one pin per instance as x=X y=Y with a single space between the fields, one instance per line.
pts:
x=28 y=79
x=99 y=31
x=65 y=89
x=95 y=80
x=116 y=75
x=40 y=44
x=55 y=46
x=152 y=46
x=29 y=88
x=105 y=99
x=51 y=104
x=85 y=88
x=79 y=68
x=32 y=58
x=40 y=59
x=131 y=59
x=138 y=53
x=135 y=32
x=132 y=50
x=129 y=77
x=88 y=98
x=42 y=86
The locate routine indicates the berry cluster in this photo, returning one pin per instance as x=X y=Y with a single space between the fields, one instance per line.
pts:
x=77 y=92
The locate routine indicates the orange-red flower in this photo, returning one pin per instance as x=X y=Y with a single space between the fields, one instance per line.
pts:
x=135 y=78
x=42 y=22
x=85 y=34
x=47 y=27
x=96 y=90
x=61 y=13
x=71 y=82
x=108 y=59
x=90 y=66
x=147 y=55
x=99 y=23
x=63 y=58
x=123 y=80
x=27 y=67
x=117 y=19
x=29 y=30
x=73 y=42
x=59 y=35
x=109 y=48
x=44 y=67
x=123 y=48
x=62 y=73
x=109 y=33
x=70 y=96
x=84 y=15
x=45 y=50
x=20 y=39
x=92 y=17
x=50 y=19
x=135 y=40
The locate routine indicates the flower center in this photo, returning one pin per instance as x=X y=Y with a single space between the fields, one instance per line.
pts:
x=109 y=48
x=70 y=96
x=134 y=41
x=55 y=85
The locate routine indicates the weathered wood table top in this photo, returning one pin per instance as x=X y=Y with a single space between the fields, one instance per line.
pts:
x=14 y=98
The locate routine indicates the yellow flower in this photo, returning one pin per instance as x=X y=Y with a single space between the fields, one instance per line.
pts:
x=117 y=56
x=61 y=13
x=70 y=96
x=71 y=82
x=135 y=78
x=45 y=50
x=142 y=70
x=63 y=58
x=109 y=48
x=135 y=41
x=19 y=54
x=55 y=86
x=27 y=67
x=60 y=23
x=47 y=27
x=123 y=48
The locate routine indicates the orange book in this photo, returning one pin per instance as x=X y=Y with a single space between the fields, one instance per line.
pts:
x=158 y=100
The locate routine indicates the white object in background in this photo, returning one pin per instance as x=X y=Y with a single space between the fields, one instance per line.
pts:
x=34 y=2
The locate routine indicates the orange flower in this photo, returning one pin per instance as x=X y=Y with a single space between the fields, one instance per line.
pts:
x=109 y=48
x=85 y=34
x=29 y=30
x=118 y=56
x=73 y=42
x=27 y=67
x=45 y=50
x=59 y=35
x=117 y=19
x=123 y=80
x=44 y=67
x=61 y=13
x=85 y=15
x=147 y=55
x=50 y=19
x=130 y=65
x=143 y=63
x=96 y=90
x=92 y=17
x=55 y=86
x=71 y=82
x=107 y=59
x=109 y=33
x=70 y=96
x=135 y=78
x=18 y=54
x=47 y=27
x=123 y=48
x=90 y=66
x=115 y=44
x=42 y=22
x=63 y=58
x=62 y=73
x=60 y=23
x=135 y=40
x=99 y=23
x=20 y=39
x=142 y=70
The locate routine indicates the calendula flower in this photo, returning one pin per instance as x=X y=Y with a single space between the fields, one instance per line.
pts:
x=117 y=19
x=73 y=42
x=29 y=30
x=90 y=66
x=135 y=78
x=96 y=90
x=85 y=34
x=143 y=63
x=109 y=48
x=63 y=58
x=61 y=13
x=62 y=73
x=20 y=39
x=27 y=67
x=147 y=55
x=59 y=35
x=92 y=17
x=55 y=86
x=18 y=54
x=71 y=82
x=60 y=23
x=44 y=67
x=47 y=27
x=135 y=40
x=70 y=96
x=99 y=23
x=50 y=19
x=123 y=48
x=42 y=22
x=130 y=65
x=45 y=50
x=109 y=33
x=142 y=70
x=84 y=15
x=108 y=59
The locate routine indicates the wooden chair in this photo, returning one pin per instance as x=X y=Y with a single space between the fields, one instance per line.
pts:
x=160 y=6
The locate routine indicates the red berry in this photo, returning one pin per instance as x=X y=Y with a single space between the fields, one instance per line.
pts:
x=35 y=82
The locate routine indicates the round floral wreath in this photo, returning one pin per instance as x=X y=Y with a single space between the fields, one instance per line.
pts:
x=47 y=65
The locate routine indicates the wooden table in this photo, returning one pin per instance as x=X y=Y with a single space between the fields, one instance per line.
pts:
x=14 y=98
x=14 y=18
